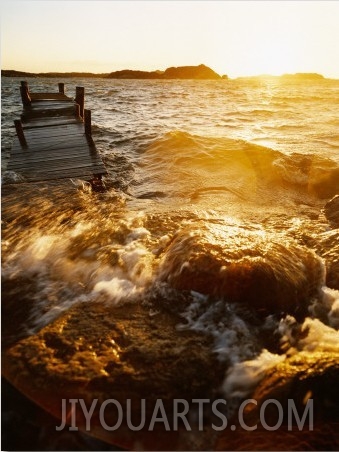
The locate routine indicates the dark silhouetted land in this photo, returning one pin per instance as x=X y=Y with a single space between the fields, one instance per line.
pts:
x=200 y=72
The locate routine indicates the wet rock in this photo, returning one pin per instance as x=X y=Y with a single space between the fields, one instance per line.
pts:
x=97 y=351
x=243 y=266
x=327 y=246
x=300 y=378
x=291 y=384
x=332 y=278
x=17 y=305
x=331 y=211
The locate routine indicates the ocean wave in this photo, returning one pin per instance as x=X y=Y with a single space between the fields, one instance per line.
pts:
x=189 y=165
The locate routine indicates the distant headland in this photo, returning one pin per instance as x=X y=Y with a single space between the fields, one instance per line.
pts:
x=200 y=72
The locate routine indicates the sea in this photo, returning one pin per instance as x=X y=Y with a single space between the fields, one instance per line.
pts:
x=237 y=171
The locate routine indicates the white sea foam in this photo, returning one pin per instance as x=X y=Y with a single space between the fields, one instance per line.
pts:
x=327 y=307
x=331 y=299
x=131 y=277
x=67 y=272
x=116 y=288
x=242 y=378
x=311 y=336
x=333 y=315
x=234 y=340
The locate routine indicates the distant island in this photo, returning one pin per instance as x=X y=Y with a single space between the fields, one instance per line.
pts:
x=200 y=72
x=298 y=77
x=303 y=76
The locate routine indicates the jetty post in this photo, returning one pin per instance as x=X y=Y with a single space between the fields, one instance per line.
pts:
x=25 y=97
x=61 y=88
x=77 y=110
x=20 y=133
x=80 y=99
x=88 y=122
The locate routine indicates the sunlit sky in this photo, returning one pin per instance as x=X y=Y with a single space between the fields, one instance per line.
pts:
x=236 y=38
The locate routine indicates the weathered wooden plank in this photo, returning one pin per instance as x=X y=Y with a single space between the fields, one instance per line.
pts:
x=53 y=159
x=42 y=145
x=46 y=108
x=48 y=96
x=71 y=163
x=61 y=168
x=53 y=134
x=55 y=130
x=45 y=113
x=47 y=155
x=35 y=141
x=56 y=143
x=49 y=110
x=42 y=157
x=49 y=122
x=35 y=136
x=49 y=103
x=48 y=125
x=64 y=165
x=51 y=146
x=79 y=173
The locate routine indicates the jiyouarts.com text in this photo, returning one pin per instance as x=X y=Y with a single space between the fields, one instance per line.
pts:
x=111 y=415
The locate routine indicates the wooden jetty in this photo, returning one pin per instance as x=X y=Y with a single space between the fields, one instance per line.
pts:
x=54 y=140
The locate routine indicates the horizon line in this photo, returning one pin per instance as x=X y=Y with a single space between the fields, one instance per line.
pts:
x=82 y=72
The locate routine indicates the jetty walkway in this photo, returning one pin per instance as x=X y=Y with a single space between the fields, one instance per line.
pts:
x=53 y=139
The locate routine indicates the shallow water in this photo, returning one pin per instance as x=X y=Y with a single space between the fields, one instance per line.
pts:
x=251 y=162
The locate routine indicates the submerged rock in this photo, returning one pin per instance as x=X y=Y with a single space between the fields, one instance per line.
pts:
x=243 y=266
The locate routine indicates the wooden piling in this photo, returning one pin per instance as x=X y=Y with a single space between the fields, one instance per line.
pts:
x=25 y=97
x=24 y=84
x=20 y=133
x=88 y=122
x=80 y=99
x=77 y=110
x=61 y=88
x=98 y=184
